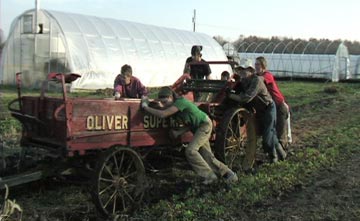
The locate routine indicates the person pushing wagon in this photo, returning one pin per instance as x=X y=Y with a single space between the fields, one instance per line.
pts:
x=282 y=108
x=255 y=95
x=198 y=152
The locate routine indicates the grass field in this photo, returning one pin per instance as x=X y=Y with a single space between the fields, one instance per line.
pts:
x=326 y=132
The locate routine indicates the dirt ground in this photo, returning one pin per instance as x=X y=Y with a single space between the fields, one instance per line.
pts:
x=333 y=194
x=330 y=194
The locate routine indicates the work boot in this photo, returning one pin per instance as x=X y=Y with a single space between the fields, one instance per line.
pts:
x=230 y=177
x=280 y=152
x=273 y=156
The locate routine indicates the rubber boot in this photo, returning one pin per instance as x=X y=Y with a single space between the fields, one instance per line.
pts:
x=280 y=151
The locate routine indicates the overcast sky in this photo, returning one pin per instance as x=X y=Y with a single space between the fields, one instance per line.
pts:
x=332 y=19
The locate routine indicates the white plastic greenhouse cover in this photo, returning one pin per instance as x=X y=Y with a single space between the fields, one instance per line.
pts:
x=96 y=48
x=318 y=66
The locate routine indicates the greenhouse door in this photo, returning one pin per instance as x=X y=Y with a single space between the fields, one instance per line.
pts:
x=26 y=58
x=41 y=58
x=35 y=56
x=344 y=68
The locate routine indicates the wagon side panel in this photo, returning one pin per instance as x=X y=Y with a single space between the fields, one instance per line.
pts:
x=40 y=125
x=100 y=124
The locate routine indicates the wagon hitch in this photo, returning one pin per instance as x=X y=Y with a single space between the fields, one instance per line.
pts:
x=9 y=164
x=20 y=179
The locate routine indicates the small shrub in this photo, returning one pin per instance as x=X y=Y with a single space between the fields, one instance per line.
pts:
x=331 y=90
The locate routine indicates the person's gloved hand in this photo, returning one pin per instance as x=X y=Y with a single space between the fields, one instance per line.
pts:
x=229 y=91
x=144 y=102
x=117 y=95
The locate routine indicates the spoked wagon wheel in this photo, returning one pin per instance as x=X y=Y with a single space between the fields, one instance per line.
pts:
x=119 y=182
x=231 y=137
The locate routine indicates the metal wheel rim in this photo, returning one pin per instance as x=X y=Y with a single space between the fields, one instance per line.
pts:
x=234 y=139
x=120 y=182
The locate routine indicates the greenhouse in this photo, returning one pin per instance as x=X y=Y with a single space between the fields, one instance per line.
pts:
x=42 y=41
x=286 y=60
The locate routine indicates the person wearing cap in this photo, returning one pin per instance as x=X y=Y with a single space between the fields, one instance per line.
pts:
x=254 y=94
x=282 y=109
x=198 y=152
x=200 y=70
x=128 y=86
x=197 y=68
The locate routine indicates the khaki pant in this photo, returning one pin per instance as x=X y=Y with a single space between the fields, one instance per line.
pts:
x=251 y=141
x=199 y=154
x=282 y=114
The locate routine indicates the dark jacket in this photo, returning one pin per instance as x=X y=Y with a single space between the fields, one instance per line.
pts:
x=199 y=70
x=254 y=93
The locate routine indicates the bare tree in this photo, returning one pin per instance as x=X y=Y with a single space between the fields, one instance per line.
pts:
x=220 y=40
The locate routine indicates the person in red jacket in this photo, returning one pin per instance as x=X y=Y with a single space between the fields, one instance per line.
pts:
x=282 y=108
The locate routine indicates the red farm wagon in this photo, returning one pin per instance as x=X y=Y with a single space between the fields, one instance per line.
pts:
x=108 y=138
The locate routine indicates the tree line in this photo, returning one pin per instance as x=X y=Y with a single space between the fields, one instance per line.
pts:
x=285 y=45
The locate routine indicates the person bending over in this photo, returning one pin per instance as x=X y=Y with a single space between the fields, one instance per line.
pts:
x=198 y=152
x=128 y=86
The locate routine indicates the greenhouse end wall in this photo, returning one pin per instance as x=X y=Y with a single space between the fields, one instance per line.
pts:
x=32 y=53
x=333 y=67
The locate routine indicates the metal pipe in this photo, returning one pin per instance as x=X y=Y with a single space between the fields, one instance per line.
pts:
x=37 y=8
x=35 y=30
x=194 y=20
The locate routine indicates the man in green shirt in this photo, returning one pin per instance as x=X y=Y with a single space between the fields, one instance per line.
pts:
x=198 y=152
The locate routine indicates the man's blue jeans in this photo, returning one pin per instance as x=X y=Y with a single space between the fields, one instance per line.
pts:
x=269 y=135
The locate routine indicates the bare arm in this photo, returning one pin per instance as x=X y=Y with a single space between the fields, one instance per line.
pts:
x=162 y=113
